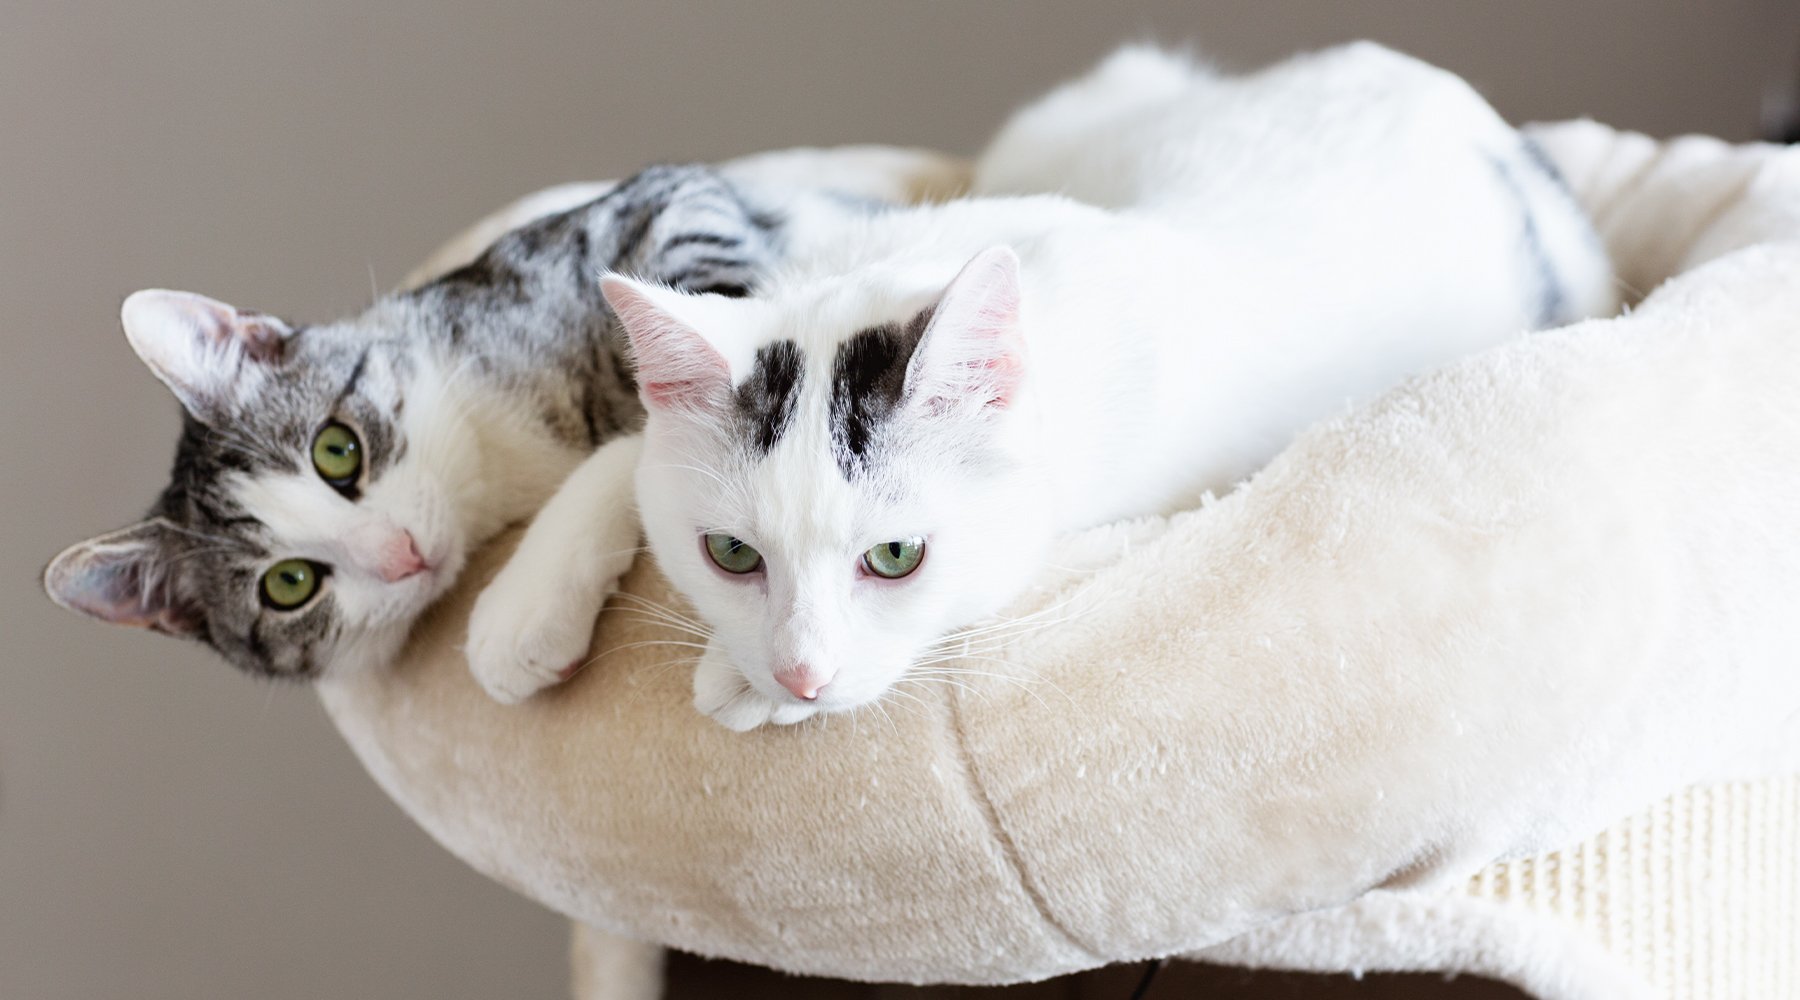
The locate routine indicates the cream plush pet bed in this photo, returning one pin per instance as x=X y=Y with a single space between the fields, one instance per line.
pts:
x=1499 y=674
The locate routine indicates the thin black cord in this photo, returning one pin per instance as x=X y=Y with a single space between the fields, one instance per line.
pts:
x=1143 y=986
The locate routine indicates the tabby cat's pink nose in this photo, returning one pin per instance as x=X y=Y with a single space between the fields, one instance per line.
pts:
x=401 y=558
x=803 y=681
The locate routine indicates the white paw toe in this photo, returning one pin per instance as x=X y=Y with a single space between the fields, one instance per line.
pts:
x=790 y=713
x=723 y=695
x=517 y=650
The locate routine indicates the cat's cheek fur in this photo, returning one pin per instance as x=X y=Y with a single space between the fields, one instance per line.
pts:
x=987 y=554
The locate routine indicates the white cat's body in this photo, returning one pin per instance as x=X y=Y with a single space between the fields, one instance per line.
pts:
x=1226 y=261
x=1291 y=241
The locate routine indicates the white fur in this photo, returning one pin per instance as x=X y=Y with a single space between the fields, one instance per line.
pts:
x=532 y=624
x=1284 y=243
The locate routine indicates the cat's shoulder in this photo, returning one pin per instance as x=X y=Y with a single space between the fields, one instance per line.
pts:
x=1368 y=80
x=948 y=229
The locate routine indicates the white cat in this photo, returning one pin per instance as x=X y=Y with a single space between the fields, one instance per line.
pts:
x=882 y=444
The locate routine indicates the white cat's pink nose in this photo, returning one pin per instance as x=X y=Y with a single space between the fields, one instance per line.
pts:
x=803 y=681
x=400 y=558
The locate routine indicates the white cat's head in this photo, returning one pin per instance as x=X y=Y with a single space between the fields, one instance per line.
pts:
x=318 y=498
x=839 y=474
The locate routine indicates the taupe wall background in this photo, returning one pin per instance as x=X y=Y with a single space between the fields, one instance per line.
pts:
x=169 y=829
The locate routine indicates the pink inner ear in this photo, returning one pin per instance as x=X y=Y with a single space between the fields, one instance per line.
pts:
x=676 y=367
x=119 y=578
x=199 y=346
x=974 y=340
x=210 y=322
x=1003 y=376
x=263 y=337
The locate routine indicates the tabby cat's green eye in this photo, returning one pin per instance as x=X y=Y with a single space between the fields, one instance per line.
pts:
x=290 y=583
x=895 y=559
x=731 y=554
x=337 y=454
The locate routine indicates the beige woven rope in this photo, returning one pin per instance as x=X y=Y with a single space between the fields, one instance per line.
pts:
x=1699 y=895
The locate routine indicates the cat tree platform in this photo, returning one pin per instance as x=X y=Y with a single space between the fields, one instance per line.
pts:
x=1499 y=674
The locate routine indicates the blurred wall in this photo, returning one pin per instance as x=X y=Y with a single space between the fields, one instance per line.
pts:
x=170 y=830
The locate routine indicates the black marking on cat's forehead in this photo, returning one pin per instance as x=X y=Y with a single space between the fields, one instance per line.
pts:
x=764 y=402
x=356 y=374
x=729 y=289
x=868 y=379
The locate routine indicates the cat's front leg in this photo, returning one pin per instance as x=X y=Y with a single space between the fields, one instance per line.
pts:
x=532 y=625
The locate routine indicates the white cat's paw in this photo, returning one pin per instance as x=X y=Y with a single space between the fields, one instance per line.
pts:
x=788 y=713
x=722 y=694
x=528 y=631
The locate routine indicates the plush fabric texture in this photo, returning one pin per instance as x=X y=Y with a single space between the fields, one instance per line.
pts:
x=1479 y=619
x=1699 y=895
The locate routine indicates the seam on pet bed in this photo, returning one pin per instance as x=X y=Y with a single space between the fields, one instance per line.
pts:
x=1009 y=850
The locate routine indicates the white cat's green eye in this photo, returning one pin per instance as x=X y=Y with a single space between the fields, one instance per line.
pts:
x=731 y=554
x=337 y=454
x=290 y=583
x=895 y=559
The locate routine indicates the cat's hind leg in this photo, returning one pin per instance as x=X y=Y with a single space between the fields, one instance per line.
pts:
x=532 y=625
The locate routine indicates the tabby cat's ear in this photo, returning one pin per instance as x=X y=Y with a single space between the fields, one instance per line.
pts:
x=972 y=354
x=201 y=348
x=677 y=369
x=123 y=577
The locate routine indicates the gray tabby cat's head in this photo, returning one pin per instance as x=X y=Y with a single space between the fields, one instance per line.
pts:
x=302 y=522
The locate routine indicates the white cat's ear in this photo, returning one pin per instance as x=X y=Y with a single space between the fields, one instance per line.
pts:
x=200 y=347
x=122 y=577
x=973 y=350
x=677 y=369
